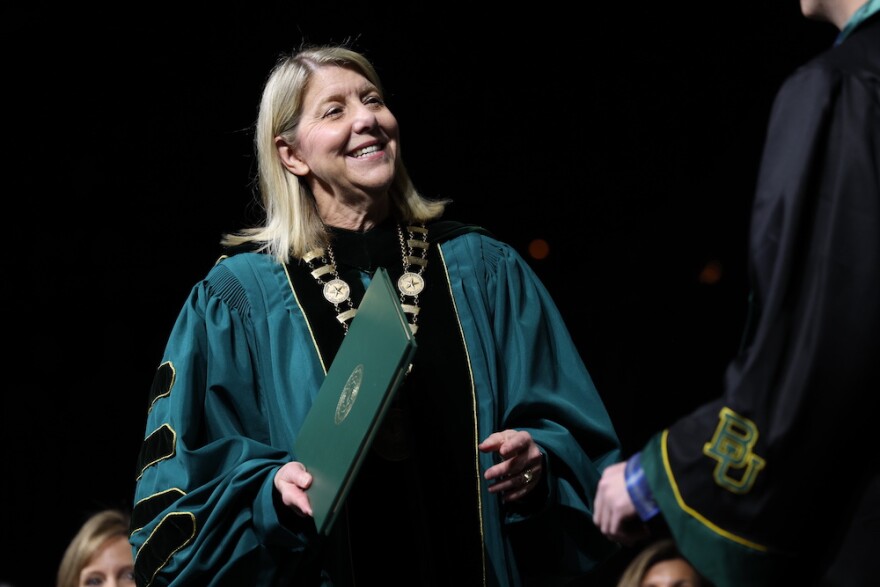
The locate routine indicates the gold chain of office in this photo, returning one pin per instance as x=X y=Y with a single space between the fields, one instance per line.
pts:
x=410 y=284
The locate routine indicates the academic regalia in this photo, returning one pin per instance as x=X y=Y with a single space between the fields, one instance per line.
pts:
x=759 y=487
x=246 y=357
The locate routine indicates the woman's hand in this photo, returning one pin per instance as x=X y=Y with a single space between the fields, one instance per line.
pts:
x=291 y=481
x=521 y=466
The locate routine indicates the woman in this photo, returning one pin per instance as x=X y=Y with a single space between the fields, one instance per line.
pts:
x=661 y=565
x=99 y=555
x=486 y=464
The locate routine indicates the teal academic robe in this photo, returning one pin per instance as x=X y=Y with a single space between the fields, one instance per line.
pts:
x=241 y=368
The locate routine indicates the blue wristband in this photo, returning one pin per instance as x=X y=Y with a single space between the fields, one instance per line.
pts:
x=639 y=491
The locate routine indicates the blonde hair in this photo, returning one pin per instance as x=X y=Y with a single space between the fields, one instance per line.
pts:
x=292 y=225
x=92 y=535
x=659 y=551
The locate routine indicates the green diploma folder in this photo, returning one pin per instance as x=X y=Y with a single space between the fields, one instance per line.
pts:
x=351 y=403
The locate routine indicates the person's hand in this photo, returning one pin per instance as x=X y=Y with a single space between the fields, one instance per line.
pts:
x=291 y=481
x=614 y=512
x=521 y=466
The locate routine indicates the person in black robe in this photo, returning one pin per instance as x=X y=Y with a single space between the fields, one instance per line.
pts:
x=776 y=481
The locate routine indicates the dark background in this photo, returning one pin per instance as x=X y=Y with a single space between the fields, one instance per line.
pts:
x=627 y=137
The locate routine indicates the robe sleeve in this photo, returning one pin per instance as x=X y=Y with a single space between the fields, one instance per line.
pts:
x=746 y=483
x=204 y=506
x=535 y=380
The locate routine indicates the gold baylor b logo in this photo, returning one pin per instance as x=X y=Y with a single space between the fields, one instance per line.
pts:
x=731 y=446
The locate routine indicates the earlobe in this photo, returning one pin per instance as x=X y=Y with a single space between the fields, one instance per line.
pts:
x=289 y=159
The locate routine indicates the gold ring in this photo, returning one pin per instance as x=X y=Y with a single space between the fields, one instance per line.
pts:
x=527 y=476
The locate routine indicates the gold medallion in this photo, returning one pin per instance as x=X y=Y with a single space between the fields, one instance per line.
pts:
x=336 y=291
x=411 y=284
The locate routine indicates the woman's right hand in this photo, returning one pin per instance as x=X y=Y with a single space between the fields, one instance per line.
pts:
x=291 y=482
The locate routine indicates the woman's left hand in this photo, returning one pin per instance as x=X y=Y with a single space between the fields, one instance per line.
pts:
x=521 y=466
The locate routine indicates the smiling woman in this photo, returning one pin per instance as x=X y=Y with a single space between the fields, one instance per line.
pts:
x=489 y=453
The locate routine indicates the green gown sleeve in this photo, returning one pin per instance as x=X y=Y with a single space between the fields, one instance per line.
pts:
x=530 y=376
x=215 y=436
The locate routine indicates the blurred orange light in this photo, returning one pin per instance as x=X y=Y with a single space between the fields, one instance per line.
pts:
x=711 y=273
x=539 y=249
